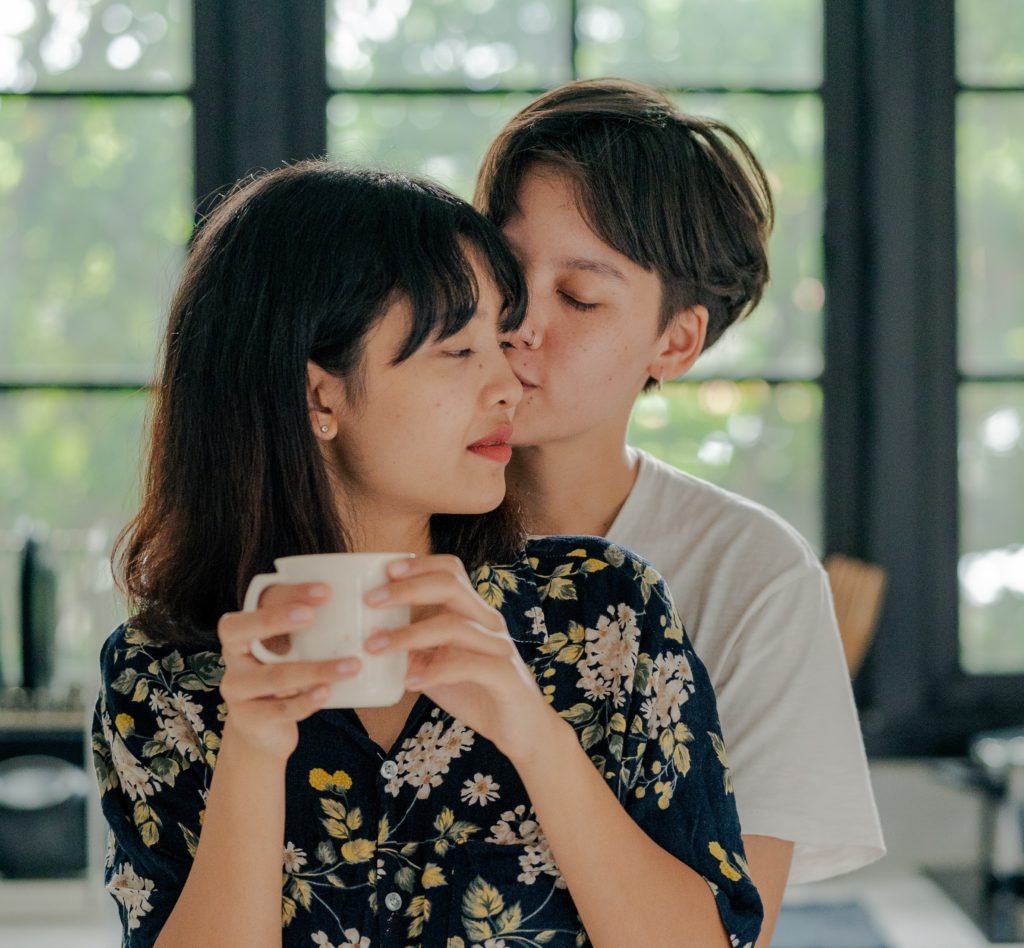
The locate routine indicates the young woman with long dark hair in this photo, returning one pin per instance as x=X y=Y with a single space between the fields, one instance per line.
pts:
x=554 y=774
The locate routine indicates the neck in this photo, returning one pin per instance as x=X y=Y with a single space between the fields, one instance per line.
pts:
x=378 y=529
x=575 y=486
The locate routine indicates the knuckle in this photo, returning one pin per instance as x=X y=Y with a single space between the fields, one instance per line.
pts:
x=228 y=688
x=226 y=625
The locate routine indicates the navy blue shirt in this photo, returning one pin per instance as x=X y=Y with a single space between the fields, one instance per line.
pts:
x=437 y=844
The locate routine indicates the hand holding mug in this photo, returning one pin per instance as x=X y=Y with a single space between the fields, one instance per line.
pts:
x=266 y=702
x=461 y=655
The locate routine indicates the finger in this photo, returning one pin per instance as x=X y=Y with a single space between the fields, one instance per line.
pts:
x=434 y=563
x=262 y=681
x=295 y=708
x=455 y=666
x=441 y=588
x=283 y=594
x=442 y=629
x=238 y=630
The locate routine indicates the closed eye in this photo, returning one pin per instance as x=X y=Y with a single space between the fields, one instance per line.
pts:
x=460 y=353
x=577 y=304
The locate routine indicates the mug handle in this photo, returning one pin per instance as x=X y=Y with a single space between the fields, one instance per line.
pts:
x=252 y=598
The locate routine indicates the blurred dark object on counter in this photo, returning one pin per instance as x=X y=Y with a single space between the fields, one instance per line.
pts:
x=993 y=893
x=43 y=724
x=42 y=818
x=38 y=615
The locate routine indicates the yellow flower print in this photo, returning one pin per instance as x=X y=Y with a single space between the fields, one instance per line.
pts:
x=724 y=866
x=125 y=724
x=320 y=779
x=719 y=746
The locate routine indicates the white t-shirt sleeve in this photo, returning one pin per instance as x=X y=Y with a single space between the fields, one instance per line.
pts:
x=791 y=730
x=756 y=604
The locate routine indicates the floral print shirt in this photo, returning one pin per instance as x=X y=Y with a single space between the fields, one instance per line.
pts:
x=436 y=843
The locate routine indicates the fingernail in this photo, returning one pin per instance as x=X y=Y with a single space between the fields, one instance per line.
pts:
x=413 y=681
x=400 y=567
x=301 y=614
x=347 y=665
x=377 y=642
x=319 y=591
x=378 y=595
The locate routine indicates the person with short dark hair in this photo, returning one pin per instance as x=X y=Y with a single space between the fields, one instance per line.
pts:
x=643 y=234
x=334 y=379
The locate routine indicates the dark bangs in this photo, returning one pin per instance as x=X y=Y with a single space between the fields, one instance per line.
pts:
x=431 y=265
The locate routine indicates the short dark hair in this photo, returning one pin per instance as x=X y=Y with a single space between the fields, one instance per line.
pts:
x=295 y=265
x=678 y=194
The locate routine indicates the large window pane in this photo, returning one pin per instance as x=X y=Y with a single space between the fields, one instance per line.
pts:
x=475 y=44
x=69 y=467
x=782 y=338
x=441 y=136
x=95 y=210
x=95 y=45
x=990 y=187
x=990 y=42
x=761 y=441
x=709 y=43
x=992 y=528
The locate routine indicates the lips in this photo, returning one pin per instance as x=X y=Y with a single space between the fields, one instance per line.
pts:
x=498 y=438
x=495 y=446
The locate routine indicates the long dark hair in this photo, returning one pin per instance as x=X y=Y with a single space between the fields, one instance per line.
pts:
x=298 y=264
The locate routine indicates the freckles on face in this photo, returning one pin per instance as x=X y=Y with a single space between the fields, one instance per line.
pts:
x=592 y=361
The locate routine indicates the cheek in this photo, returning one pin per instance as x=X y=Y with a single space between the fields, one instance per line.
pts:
x=599 y=351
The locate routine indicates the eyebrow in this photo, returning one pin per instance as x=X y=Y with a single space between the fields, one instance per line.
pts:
x=592 y=266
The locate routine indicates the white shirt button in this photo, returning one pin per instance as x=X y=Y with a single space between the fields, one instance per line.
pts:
x=393 y=901
x=388 y=769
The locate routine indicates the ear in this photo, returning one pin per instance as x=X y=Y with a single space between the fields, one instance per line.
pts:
x=680 y=343
x=320 y=397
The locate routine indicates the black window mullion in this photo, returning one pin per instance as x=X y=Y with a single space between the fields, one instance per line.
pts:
x=909 y=323
x=845 y=412
x=260 y=74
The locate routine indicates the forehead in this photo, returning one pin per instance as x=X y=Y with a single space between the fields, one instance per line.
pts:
x=548 y=223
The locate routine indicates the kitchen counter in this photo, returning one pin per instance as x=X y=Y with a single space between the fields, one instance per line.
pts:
x=909 y=910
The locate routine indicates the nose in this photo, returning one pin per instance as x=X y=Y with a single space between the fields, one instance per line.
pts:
x=530 y=335
x=505 y=388
x=527 y=336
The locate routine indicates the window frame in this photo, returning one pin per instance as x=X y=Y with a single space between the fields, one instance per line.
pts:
x=892 y=378
x=890 y=381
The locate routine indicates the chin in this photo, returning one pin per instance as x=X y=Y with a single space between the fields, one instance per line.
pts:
x=471 y=502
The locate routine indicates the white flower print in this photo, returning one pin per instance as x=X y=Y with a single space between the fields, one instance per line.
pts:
x=352 y=940
x=108 y=861
x=425 y=757
x=131 y=891
x=609 y=655
x=135 y=780
x=294 y=858
x=480 y=790
x=191 y=711
x=179 y=723
x=536 y=857
x=668 y=688
x=536 y=616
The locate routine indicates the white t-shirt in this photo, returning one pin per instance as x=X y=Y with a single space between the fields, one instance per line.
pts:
x=756 y=604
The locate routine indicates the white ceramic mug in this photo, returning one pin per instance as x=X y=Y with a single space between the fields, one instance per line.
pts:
x=342 y=624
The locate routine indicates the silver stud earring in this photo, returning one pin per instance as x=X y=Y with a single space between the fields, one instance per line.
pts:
x=324 y=429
